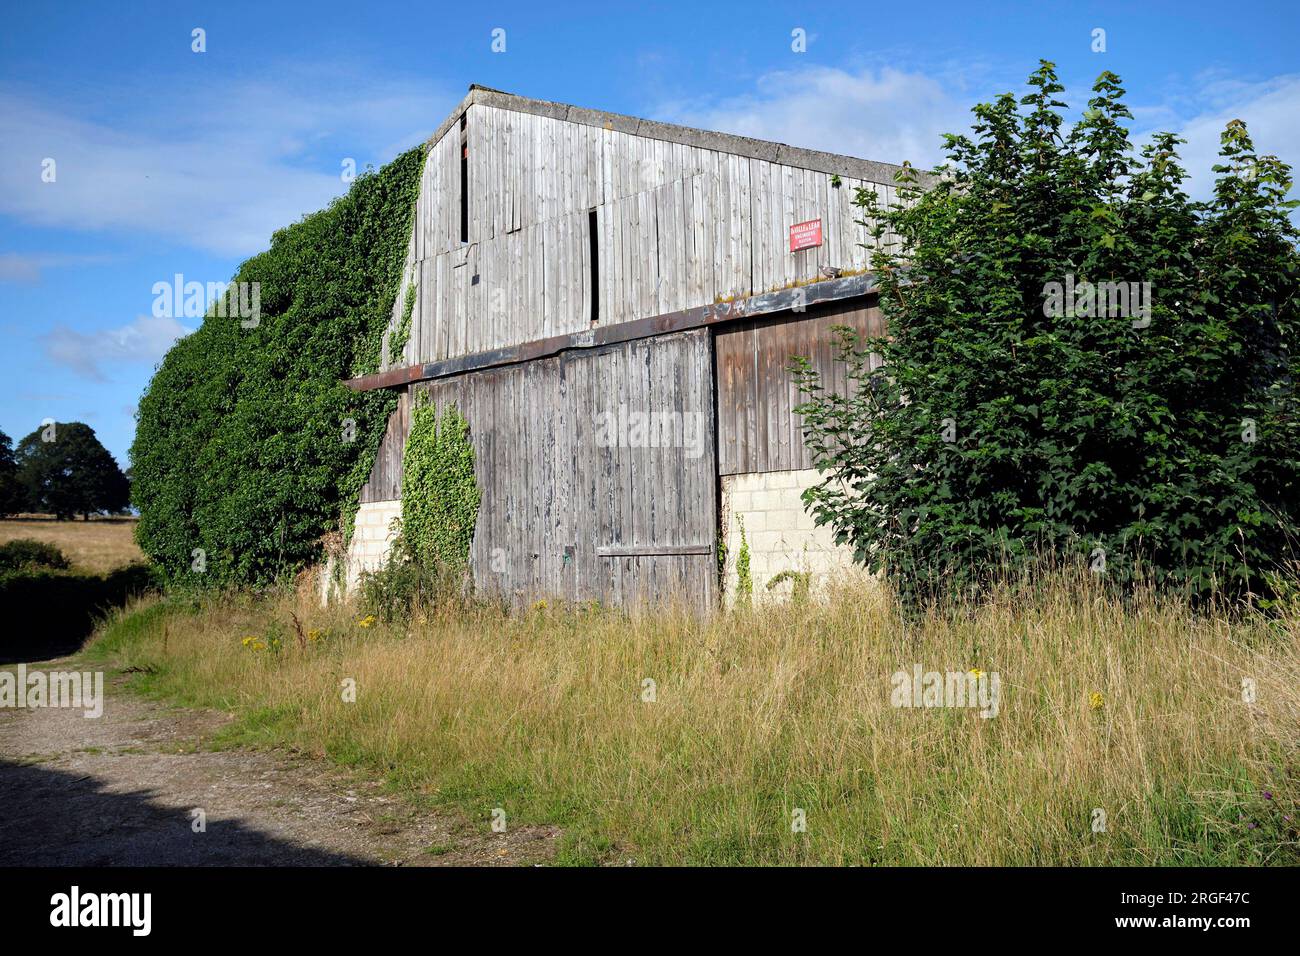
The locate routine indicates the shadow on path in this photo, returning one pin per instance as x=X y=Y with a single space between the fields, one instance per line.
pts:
x=55 y=818
x=49 y=613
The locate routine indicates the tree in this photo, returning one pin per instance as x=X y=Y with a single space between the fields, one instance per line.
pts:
x=1082 y=362
x=66 y=471
x=11 y=491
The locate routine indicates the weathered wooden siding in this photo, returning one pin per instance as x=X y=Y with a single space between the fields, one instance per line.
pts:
x=385 y=482
x=677 y=227
x=758 y=428
x=564 y=512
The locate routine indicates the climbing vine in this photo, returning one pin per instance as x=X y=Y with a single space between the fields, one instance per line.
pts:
x=800 y=584
x=744 y=581
x=402 y=334
x=440 y=495
x=248 y=444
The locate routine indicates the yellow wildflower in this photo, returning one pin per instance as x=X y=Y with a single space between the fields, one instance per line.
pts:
x=976 y=673
x=1096 y=701
x=366 y=621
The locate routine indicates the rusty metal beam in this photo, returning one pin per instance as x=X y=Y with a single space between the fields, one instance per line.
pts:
x=782 y=300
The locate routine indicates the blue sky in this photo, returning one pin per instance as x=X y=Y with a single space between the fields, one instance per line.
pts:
x=169 y=161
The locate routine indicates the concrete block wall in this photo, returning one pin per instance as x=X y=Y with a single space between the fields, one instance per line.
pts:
x=372 y=536
x=781 y=535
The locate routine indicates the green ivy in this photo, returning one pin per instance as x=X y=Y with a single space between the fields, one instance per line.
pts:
x=440 y=495
x=800 y=584
x=1000 y=429
x=402 y=334
x=248 y=444
x=744 y=581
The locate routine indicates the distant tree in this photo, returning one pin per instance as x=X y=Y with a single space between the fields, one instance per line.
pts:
x=11 y=491
x=65 y=471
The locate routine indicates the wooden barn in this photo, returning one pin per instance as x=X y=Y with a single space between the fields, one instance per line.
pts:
x=612 y=303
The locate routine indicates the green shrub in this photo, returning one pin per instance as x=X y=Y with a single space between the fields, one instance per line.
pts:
x=428 y=561
x=406 y=583
x=1007 y=423
x=244 y=446
x=30 y=553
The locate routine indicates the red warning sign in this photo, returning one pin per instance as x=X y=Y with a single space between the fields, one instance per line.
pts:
x=805 y=235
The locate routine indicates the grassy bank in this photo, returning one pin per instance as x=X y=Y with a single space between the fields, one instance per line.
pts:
x=1135 y=712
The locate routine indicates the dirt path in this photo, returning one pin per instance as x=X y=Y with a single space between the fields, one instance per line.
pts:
x=121 y=790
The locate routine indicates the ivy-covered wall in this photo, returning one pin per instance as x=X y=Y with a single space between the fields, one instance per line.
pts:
x=248 y=446
x=440 y=495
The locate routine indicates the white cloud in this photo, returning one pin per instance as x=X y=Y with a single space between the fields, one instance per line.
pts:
x=887 y=115
x=1269 y=108
x=146 y=339
x=218 y=169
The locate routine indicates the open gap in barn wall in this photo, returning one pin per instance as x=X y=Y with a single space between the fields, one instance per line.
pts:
x=593 y=243
x=464 y=178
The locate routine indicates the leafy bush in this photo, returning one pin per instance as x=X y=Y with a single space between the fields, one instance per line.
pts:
x=407 y=583
x=244 y=445
x=428 y=561
x=1010 y=419
x=30 y=553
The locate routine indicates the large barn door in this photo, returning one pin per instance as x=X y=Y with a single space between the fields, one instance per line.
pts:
x=640 y=416
x=597 y=472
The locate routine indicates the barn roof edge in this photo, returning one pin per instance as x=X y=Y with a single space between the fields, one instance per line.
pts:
x=780 y=153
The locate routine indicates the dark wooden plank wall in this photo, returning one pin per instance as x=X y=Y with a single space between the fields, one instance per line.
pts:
x=758 y=429
x=563 y=515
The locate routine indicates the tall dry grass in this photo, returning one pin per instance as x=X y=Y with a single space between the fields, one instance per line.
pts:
x=759 y=714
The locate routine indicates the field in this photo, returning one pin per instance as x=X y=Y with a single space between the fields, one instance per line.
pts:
x=99 y=545
x=1145 y=734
